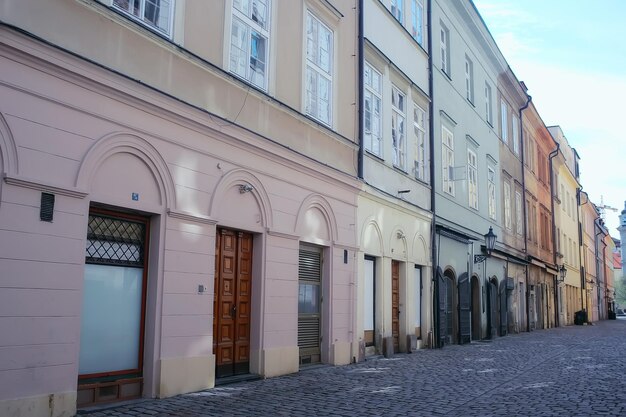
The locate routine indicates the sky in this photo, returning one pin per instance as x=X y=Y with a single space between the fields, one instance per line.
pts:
x=571 y=54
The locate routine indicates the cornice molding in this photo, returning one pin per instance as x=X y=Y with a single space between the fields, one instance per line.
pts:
x=43 y=186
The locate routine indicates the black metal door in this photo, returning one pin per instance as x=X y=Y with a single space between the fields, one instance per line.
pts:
x=503 y=309
x=493 y=310
x=442 y=325
x=450 y=313
x=465 y=305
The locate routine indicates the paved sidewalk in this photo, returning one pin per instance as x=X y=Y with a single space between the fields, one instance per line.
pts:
x=570 y=371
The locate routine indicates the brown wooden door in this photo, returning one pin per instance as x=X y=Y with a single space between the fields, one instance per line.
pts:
x=231 y=304
x=395 y=305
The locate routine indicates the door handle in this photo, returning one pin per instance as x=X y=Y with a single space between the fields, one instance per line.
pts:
x=233 y=311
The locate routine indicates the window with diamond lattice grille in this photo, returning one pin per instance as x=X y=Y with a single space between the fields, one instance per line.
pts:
x=114 y=241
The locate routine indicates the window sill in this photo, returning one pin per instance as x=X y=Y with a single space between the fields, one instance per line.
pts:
x=470 y=102
x=446 y=74
x=375 y=156
x=421 y=181
x=156 y=30
x=401 y=170
x=318 y=121
x=249 y=83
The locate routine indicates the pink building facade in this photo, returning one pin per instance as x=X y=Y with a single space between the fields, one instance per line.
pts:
x=103 y=175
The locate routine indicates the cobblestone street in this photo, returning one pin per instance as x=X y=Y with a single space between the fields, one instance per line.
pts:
x=576 y=370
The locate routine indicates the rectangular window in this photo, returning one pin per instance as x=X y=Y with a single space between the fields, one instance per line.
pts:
x=417 y=296
x=515 y=134
x=447 y=160
x=529 y=228
x=472 y=179
x=319 y=68
x=507 y=206
x=444 y=45
x=518 y=213
x=369 y=294
x=417 y=20
x=421 y=157
x=491 y=190
x=310 y=267
x=397 y=6
x=504 y=124
x=113 y=298
x=373 y=110
x=534 y=222
x=469 y=79
x=249 y=41
x=157 y=14
x=488 y=104
x=398 y=130
x=529 y=151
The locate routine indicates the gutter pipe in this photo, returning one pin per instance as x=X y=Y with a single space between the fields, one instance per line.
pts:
x=521 y=135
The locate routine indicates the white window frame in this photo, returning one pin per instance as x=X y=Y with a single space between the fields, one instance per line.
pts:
x=515 y=134
x=314 y=68
x=469 y=79
x=507 y=205
x=472 y=179
x=251 y=26
x=417 y=21
x=529 y=150
x=419 y=129
x=444 y=46
x=518 y=213
x=141 y=12
x=447 y=160
x=491 y=191
x=373 y=93
x=397 y=10
x=398 y=127
x=504 y=124
x=488 y=104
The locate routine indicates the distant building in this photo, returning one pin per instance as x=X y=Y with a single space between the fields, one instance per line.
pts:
x=622 y=232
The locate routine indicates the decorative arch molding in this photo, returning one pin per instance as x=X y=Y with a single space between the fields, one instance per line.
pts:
x=121 y=142
x=420 y=252
x=449 y=272
x=398 y=234
x=8 y=149
x=318 y=202
x=236 y=177
x=371 y=221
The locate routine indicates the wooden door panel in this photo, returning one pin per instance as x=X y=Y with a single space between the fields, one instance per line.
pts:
x=395 y=304
x=233 y=286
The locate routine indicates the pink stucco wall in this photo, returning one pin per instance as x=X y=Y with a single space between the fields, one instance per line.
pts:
x=96 y=143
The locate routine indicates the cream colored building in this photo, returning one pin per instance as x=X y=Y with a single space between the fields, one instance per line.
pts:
x=179 y=195
x=566 y=209
x=595 y=280
x=393 y=218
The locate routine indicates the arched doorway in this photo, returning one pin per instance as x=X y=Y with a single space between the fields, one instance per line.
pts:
x=476 y=313
x=450 y=307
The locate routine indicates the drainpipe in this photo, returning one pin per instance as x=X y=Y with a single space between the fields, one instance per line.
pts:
x=583 y=280
x=556 y=282
x=521 y=135
x=361 y=96
x=431 y=143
